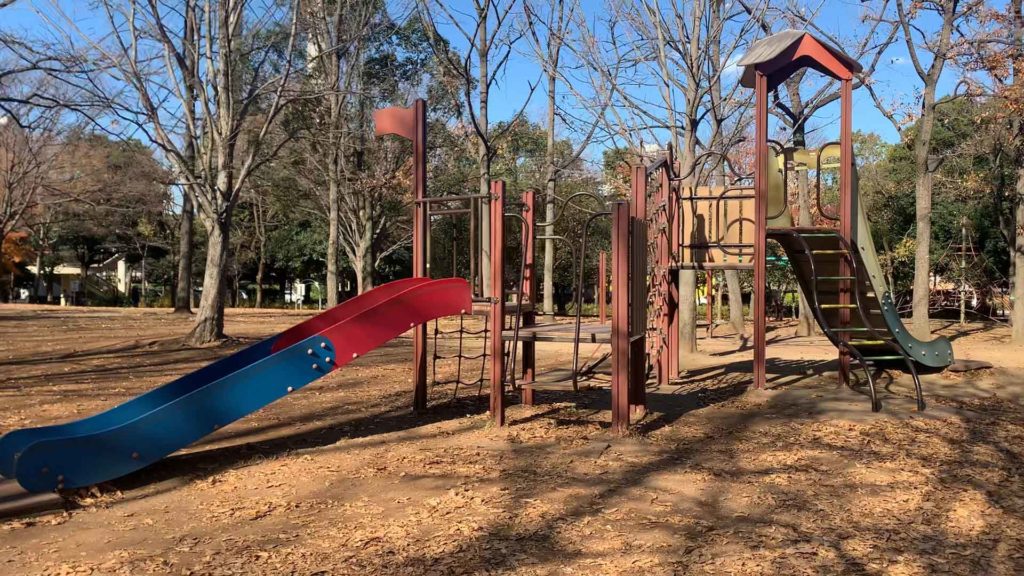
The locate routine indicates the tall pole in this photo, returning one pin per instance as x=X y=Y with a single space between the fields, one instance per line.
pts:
x=528 y=293
x=760 y=223
x=419 y=264
x=620 y=317
x=846 y=217
x=497 y=269
x=411 y=124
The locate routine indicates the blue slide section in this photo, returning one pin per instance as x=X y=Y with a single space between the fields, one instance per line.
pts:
x=145 y=429
x=14 y=443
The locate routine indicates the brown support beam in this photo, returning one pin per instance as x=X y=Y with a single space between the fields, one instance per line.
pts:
x=620 y=317
x=411 y=124
x=637 y=282
x=420 y=239
x=528 y=293
x=674 y=242
x=602 y=287
x=760 y=223
x=846 y=215
x=497 y=239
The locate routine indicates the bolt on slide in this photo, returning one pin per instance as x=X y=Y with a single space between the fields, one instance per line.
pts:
x=145 y=429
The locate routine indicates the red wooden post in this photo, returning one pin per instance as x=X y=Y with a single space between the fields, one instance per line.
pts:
x=602 y=287
x=497 y=213
x=674 y=246
x=419 y=154
x=528 y=293
x=620 y=317
x=411 y=123
x=760 y=223
x=637 y=282
x=846 y=215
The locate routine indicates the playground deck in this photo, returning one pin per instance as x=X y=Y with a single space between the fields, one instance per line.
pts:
x=590 y=333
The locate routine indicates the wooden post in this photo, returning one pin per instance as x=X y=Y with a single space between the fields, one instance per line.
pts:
x=602 y=287
x=420 y=224
x=846 y=216
x=760 y=223
x=637 y=304
x=528 y=293
x=620 y=317
x=497 y=240
x=672 y=280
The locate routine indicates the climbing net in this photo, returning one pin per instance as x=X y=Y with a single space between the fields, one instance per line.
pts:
x=465 y=362
x=660 y=217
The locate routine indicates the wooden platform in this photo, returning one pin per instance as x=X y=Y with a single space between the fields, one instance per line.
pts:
x=590 y=333
x=560 y=379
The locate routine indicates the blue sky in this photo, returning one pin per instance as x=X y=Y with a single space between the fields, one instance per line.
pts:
x=895 y=76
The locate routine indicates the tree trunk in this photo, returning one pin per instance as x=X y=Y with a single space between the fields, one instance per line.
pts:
x=183 y=291
x=1017 y=262
x=485 y=220
x=1017 y=314
x=362 y=261
x=37 y=286
x=734 y=287
x=923 y=204
x=332 y=241
x=687 y=311
x=209 y=326
x=483 y=153
x=142 y=297
x=261 y=269
x=549 y=209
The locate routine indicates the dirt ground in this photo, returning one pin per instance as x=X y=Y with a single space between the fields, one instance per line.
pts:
x=342 y=479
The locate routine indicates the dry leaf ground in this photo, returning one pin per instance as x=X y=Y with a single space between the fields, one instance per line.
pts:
x=342 y=479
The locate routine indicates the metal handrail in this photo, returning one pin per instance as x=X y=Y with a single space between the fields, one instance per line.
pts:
x=579 y=302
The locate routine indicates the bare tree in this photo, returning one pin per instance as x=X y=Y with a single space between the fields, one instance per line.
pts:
x=490 y=37
x=29 y=145
x=190 y=51
x=242 y=52
x=338 y=32
x=689 y=73
x=938 y=44
x=994 y=61
x=550 y=24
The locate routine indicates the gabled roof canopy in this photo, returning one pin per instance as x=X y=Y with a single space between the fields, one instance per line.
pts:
x=780 y=55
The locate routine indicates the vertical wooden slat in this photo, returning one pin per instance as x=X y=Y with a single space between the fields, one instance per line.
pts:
x=672 y=280
x=638 y=307
x=419 y=262
x=846 y=214
x=620 y=317
x=527 y=294
x=760 y=223
x=497 y=239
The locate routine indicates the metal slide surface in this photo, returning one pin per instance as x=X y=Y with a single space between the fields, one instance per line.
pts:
x=818 y=273
x=149 y=427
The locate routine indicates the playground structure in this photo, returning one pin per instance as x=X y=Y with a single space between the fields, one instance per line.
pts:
x=666 y=224
x=674 y=224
